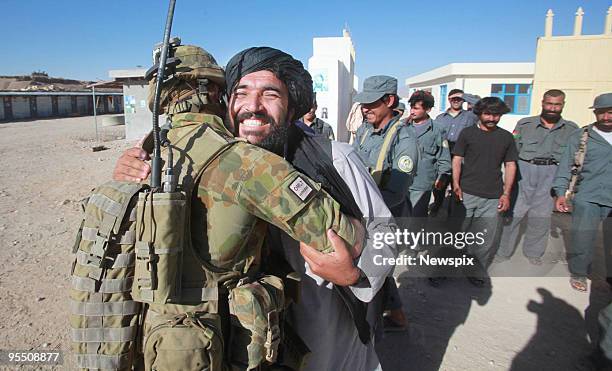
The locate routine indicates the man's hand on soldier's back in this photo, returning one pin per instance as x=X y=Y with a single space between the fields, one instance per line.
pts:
x=131 y=166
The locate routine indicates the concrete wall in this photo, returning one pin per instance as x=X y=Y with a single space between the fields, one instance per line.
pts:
x=83 y=105
x=581 y=66
x=41 y=106
x=64 y=106
x=332 y=68
x=44 y=107
x=138 y=117
x=21 y=107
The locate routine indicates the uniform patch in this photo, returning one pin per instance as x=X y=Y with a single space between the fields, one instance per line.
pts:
x=516 y=134
x=300 y=188
x=445 y=143
x=405 y=164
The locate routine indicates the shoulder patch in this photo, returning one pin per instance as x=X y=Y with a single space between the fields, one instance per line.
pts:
x=516 y=134
x=300 y=188
x=405 y=164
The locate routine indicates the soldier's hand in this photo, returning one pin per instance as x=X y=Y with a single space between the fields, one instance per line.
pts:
x=336 y=267
x=131 y=166
x=504 y=203
x=458 y=192
x=561 y=204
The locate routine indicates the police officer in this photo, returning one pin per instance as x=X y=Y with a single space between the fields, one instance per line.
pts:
x=400 y=109
x=387 y=147
x=540 y=141
x=452 y=122
x=592 y=202
x=390 y=150
x=434 y=157
x=316 y=124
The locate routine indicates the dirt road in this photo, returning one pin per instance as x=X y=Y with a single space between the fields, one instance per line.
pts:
x=48 y=166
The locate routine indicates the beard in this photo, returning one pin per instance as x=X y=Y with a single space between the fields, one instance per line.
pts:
x=276 y=138
x=604 y=125
x=551 y=116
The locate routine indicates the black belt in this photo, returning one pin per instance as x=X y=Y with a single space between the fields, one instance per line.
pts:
x=542 y=161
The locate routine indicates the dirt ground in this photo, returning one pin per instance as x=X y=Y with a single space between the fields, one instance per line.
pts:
x=48 y=167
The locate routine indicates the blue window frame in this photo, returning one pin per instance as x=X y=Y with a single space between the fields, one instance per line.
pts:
x=443 y=90
x=516 y=96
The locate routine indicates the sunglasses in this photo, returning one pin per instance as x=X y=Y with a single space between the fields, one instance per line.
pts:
x=456 y=99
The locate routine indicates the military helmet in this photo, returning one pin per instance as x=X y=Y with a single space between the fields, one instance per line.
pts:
x=185 y=63
x=196 y=63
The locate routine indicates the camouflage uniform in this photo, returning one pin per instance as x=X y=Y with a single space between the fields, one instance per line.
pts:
x=246 y=184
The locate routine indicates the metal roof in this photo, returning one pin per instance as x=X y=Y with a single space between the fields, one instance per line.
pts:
x=56 y=93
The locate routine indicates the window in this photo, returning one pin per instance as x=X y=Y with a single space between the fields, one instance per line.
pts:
x=443 y=90
x=516 y=96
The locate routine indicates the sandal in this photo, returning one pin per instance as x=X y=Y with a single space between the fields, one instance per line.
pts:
x=579 y=283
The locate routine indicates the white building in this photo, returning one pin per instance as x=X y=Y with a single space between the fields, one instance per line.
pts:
x=512 y=82
x=332 y=67
x=138 y=117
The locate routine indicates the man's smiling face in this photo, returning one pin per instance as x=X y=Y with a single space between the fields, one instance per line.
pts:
x=259 y=107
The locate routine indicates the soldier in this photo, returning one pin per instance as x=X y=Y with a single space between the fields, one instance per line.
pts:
x=238 y=188
x=255 y=89
x=390 y=150
x=452 y=122
x=387 y=147
x=585 y=176
x=434 y=167
x=479 y=188
x=470 y=100
x=316 y=124
x=400 y=109
x=541 y=141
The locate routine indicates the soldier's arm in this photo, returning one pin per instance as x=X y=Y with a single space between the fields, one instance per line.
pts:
x=270 y=188
x=444 y=159
x=358 y=135
x=563 y=175
x=403 y=170
x=516 y=133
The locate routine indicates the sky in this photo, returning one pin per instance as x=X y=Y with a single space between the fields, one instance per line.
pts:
x=84 y=39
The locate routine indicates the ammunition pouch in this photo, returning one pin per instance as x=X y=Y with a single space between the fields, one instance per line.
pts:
x=188 y=341
x=160 y=238
x=255 y=312
x=103 y=316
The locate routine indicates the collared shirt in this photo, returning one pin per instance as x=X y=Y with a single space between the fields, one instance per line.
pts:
x=400 y=162
x=452 y=125
x=534 y=140
x=595 y=183
x=434 y=155
x=321 y=127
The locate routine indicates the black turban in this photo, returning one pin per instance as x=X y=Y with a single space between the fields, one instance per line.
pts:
x=284 y=66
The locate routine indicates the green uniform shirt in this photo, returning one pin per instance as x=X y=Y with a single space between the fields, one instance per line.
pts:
x=246 y=185
x=434 y=156
x=534 y=140
x=596 y=175
x=400 y=162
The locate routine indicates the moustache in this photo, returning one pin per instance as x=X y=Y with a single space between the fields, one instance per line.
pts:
x=251 y=115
